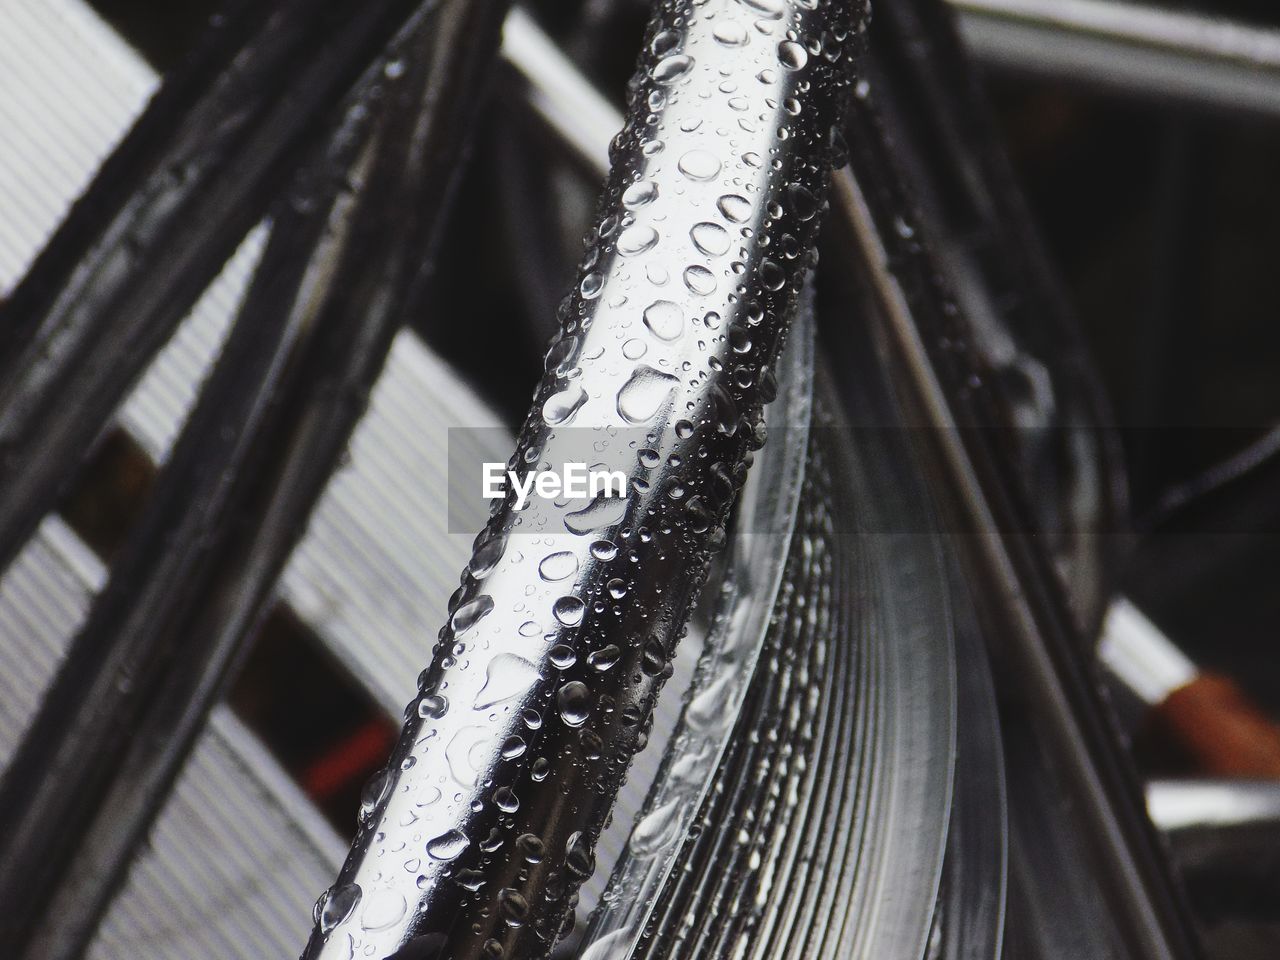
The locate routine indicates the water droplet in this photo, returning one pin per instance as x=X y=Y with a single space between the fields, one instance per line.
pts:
x=530 y=847
x=563 y=355
x=639 y=194
x=569 y=611
x=338 y=904
x=664 y=43
x=636 y=239
x=699 y=165
x=471 y=613
x=706 y=713
x=734 y=208
x=791 y=55
x=512 y=747
x=558 y=566
x=471 y=880
x=562 y=657
x=653 y=658
x=560 y=407
x=644 y=394
x=382 y=909
x=448 y=845
x=578 y=857
x=604 y=658
x=711 y=238
x=656 y=830
x=602 y=512
x=505 y=799
x=574 y=701
x=700 y=280
x=591 y=285
x=604 y=550
x=375 y=790
x=772 y=275
x=672 y=68
x=466 y=753
x=507 y=676
x=730 y=33
x=433 y=707
x=664 y=319
x=634 y=349
x=802 y=204
x=486 y=556
x=513 y=907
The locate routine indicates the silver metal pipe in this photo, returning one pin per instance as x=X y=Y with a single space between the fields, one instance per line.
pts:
x=1131 y=49
x=482 y=827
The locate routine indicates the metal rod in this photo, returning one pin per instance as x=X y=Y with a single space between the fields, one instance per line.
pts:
x=476 y=837
x=1132 y=49
x=132 y=649
x=198 y=170
x=234 y=498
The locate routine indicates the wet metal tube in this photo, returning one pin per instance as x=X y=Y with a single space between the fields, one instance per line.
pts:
x=476 y=837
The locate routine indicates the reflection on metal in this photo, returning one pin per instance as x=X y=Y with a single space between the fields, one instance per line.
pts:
x=1130 y=48
x=484 y=824
x=743 y=592
x=824 y=830
x=1020 y=593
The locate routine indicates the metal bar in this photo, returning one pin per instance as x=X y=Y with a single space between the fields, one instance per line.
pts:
x=234 y=497
x=164 y=213
x=135 y=648
x=483 y=825
x=1131 y=49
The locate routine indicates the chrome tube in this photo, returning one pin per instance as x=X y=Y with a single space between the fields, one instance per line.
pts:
x=480 y=830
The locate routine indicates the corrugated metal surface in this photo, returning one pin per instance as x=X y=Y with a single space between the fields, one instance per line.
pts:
x=236 y=856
